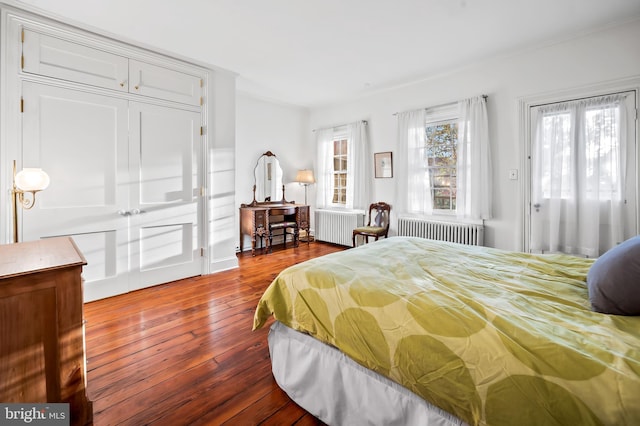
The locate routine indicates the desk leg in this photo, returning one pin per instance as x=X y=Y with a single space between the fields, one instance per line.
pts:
x=267 y=239
x=253 y=244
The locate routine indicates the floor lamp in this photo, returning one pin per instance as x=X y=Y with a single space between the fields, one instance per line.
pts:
x=305 y=177
x=27 y=180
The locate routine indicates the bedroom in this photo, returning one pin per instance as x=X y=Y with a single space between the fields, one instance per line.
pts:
x=286 y=128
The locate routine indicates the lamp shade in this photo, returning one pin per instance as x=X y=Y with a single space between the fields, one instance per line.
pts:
x=31 y=179
x=305 y=177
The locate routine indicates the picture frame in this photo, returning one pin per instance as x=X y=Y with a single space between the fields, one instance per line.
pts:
x=383 y=164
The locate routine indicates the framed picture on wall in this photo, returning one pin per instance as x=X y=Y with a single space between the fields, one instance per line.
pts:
x=383 y=162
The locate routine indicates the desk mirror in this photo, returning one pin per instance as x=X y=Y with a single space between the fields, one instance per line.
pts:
x=268 y=179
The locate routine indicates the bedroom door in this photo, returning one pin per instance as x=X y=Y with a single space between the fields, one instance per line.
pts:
x=584 y=188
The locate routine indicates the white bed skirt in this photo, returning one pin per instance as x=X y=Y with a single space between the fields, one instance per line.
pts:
x=339 y=391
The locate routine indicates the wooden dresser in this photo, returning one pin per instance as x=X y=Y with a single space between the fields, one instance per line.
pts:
x=255 y=218
x=42 y=357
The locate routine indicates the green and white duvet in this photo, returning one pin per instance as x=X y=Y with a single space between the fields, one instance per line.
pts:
x=491 y=336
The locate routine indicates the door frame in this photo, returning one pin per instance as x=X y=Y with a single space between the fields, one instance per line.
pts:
x=524 y=112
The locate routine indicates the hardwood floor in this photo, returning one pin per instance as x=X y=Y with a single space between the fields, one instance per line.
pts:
x=184 y=353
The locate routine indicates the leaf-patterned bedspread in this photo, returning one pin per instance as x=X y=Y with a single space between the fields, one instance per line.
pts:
x=494 y=337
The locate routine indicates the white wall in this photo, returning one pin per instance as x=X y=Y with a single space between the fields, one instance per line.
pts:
x=221 y=174
x=263 y=126
x=602 y=56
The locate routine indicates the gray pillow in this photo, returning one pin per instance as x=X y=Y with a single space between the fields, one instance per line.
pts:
x=614 y=280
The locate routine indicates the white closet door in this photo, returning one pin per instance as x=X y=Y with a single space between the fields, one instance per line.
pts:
x=164 y=194
x=80 y=140
x=66 y=60
x=164 y=83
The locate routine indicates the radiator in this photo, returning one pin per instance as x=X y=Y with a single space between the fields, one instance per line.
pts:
x=336 y=226
x=455 y=232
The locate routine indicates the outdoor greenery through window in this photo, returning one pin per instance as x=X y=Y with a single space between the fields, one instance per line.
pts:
x=340 y=171
x=441 y=158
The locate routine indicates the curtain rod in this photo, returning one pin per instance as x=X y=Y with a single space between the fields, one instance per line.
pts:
x=341 y=125
x=624 y=92
x=442 y=105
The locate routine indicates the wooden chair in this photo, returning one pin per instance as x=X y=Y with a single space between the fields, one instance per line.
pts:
x=380 y=225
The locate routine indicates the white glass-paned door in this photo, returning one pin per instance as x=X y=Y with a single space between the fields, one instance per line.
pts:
x=583 y=175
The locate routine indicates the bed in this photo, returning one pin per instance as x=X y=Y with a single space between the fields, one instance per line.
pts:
x=414 y=331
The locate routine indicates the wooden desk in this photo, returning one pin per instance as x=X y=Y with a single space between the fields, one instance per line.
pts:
x=42 y=356
x=254 y=220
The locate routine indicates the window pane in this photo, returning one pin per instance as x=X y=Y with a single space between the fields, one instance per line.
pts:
x=441 y=161
x=339 y=171
x=556 y=137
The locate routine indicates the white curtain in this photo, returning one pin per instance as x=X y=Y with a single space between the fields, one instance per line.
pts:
x=578 y=176
x=474 y=187
x=358 y=166
x=324 y=168
x=413 y=191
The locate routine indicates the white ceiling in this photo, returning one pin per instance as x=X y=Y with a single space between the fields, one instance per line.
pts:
x=314 y=52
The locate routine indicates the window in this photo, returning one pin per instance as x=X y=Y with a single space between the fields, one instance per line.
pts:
x=441 y=156
x=343 y=167
x=445 y=160
x=340 y=165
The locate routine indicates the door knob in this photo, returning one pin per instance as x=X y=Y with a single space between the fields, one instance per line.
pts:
x=537 y=206
x=123 y=213
x=137 y=211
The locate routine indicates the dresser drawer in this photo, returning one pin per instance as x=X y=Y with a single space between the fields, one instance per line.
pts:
x=282 y=211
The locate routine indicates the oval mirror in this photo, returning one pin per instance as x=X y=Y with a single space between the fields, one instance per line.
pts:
x=268 y=178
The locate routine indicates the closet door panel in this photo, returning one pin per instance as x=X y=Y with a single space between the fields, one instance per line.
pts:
x=164 y=83
x=54 y=57
x=165 y=196
x=80 y=140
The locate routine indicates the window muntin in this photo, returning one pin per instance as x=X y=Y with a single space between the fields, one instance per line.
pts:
x=440 y=157
x=340 y=171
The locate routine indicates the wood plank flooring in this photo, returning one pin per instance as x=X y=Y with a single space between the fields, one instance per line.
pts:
x=183 y=353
